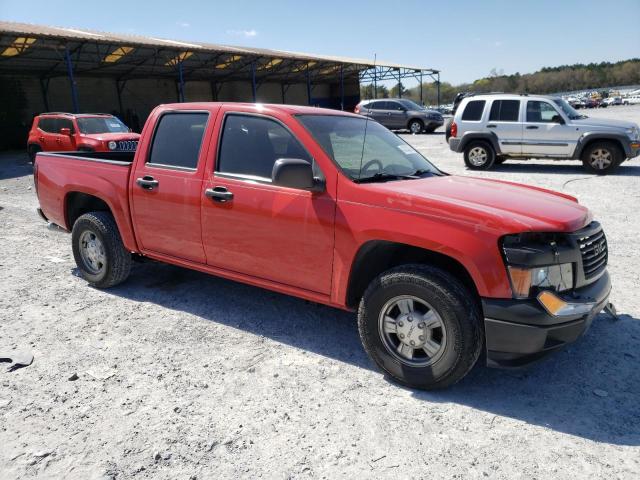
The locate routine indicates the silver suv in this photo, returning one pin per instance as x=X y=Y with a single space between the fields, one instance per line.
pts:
x=490 y=129
x=401 y=114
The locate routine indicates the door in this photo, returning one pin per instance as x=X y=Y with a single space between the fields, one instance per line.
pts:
x=504 y=121
x=545 y=131
x=396 y=115
x=166 y=188
x=253 y=227
x=64 y=142
x=376 y=110
x=47 y=133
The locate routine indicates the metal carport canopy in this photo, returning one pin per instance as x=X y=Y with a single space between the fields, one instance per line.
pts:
x=48 y=52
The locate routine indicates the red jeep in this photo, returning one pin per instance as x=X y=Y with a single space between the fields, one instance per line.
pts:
x=89 y=132
x=333 y=208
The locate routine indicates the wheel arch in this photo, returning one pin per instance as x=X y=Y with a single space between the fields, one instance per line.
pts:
x=377 y=256
x=414 y=119
x=78 y=203
x=590 y=138
x=488 y=137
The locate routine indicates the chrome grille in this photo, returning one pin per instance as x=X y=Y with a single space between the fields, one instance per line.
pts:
x=127 y=145
x=594 y=251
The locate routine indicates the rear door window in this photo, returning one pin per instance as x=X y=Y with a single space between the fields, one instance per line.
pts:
x=375 y=105
x=473 y=110
x=505 y=111
x=47 y=124
x=177 y=139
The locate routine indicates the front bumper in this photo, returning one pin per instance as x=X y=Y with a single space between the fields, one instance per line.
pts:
x=634 y=150
x=519 y=332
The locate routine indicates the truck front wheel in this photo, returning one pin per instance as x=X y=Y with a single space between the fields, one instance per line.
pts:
x=420 y=325
x=98 y=250
x=479 y=155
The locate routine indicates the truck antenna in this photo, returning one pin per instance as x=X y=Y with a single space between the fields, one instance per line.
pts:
x=366 y=122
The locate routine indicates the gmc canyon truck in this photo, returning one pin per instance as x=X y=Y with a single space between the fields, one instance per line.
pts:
x=334 y=208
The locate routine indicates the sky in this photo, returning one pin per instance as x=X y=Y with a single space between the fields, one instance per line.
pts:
x=464 y=39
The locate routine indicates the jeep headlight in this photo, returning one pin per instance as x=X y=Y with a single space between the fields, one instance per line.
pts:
x=633 y=133
x=556 y=277
x=112 y=145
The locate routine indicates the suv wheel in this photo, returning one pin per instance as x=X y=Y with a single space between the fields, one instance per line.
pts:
x=602 y=157
x=415 y=126
x=479 y=155
x=32 y=150
x=421 y=326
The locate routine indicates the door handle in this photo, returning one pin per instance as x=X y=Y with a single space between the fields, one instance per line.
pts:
x=147 y=182
x=219 y=194
x=532 y=127
x=491 y=125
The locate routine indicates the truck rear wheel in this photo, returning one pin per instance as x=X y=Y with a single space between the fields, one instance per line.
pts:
x=420 y=325
x=602 y=158
x=479 y=155
x=98 y=250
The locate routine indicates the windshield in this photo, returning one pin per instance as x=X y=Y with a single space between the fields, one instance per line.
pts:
x=568 y=109
x=376 y=155
x=101 y=125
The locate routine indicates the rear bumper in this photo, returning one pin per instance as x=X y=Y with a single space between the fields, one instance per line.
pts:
x=454 y=144
x=519 y=332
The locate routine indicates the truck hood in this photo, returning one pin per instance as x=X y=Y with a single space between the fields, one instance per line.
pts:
x=604 y=122
x=498 y=205
x=112 y=136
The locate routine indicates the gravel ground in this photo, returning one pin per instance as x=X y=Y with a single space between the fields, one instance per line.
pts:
x=176 y=374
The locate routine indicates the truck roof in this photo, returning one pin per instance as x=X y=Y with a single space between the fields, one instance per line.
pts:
x=78 y=115
x=290 y=109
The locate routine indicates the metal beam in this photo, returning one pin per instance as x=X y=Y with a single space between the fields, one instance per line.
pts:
x=44 y=87
x=180 y=83
x=308 y=86
x=341 y=88
x=254 y=87
x=72 y=81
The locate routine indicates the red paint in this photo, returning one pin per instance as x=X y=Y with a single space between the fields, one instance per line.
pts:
x=72 y=140
x=294 y=241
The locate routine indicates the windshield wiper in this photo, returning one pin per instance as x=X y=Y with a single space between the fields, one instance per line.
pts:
x=383 y=177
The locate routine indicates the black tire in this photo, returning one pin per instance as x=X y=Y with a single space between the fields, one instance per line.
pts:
x=476 y=147
x=455 y=306
x=415 y=126
x=602 y=150
x=116 y=263
x=447 y=130
x=32 y=150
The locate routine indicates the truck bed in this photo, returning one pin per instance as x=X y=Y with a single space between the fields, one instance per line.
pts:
x=103 y=175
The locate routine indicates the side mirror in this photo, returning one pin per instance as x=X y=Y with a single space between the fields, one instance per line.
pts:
x=295 y=173
x=557 y=119
x=65 y=131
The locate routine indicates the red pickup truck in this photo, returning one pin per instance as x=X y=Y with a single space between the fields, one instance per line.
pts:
x=334 y=208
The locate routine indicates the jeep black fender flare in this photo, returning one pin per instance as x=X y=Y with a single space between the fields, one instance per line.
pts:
x=589 y=137
x=489 y=137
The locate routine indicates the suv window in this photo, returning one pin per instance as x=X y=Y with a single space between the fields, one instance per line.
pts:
x=394 y=106
x=505 y=111
x=375 y=105
x=47 y=124
x=177 y=139
x=473 y=110
x=250 y=145
x=541 y=112
x=64 y=123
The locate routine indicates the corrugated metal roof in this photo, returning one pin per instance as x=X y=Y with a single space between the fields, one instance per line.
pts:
x=82 y=34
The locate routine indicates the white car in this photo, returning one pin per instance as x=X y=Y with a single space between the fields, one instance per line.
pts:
x=632 y=100
x=492 y=128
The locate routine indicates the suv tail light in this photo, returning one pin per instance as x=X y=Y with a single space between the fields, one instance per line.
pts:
x=454 y=129
x=357 y=109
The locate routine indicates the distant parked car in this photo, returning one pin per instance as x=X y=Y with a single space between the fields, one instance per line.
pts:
x=401 y=114
x=576 y=103
x=632 y=100
x=89 y=132
x=613 y=101
x=489 y=129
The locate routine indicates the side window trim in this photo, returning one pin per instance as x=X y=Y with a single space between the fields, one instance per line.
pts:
x=244 y=176
x=179 y=168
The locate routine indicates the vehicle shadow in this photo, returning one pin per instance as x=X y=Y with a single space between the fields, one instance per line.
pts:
x=557 y=393
x=513 y=166
x=14 y=165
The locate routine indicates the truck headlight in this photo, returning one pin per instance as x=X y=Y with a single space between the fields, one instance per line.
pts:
x=558 y=277
x=633 y=133
x=112 y=145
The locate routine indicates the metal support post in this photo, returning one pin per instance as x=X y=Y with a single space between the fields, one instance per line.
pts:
x=72 y=81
